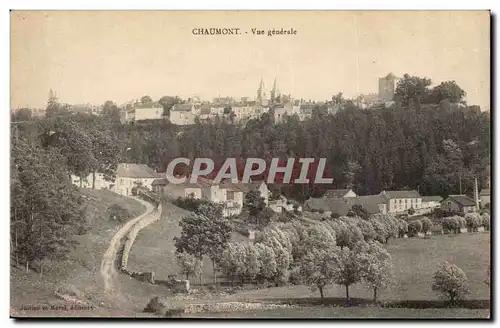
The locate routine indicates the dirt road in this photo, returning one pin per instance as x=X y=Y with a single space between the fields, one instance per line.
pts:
x=108 y=264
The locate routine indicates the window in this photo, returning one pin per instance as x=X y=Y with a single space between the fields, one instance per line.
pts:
x=230 y=195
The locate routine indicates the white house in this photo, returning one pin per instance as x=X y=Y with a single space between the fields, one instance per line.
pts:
x=337 y=193
x=183 y=114
x=155 y=112
x=484 y=197
x=431 y=202
x=130 y=175
x=402 y=200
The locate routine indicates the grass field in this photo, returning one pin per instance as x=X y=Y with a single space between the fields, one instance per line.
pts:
x=415 y=261
x=319 y=312
x=81 y=270
x=154 y=249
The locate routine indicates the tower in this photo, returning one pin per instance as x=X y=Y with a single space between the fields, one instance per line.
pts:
x=260 y=92
x=273 y=91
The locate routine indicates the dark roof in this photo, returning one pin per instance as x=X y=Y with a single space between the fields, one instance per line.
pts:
x=129 y=170
x=238 y=187
x=432 y=198
x=182 y=107
x=334 y=193
x=339 y=205
x=159 y=182
x=401 y=194
x=485 y=192
x=205 y=109
x=462 y=200
x=342 y=205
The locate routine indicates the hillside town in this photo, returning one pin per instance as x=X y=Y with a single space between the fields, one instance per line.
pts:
x=354 y=182
x=237 y=110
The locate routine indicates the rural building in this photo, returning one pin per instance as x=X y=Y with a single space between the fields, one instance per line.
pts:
x=398 y=201
x=387 y=87
x=373 y=204
x=431 y=202
x=183 y=114
x=130 y=175
x=458 y=204
x=338 y=193
x=484 y=197
x=150 y=112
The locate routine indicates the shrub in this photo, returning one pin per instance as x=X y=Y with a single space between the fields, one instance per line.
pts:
x=426 y=225
x=321 y=211
x=411 y=211
x=116 y=212
x=485 y=221
x=473 y=221
x=414 y=227
x=403 y=228
x=335 y=215
x=451 y=282
x=451 y=224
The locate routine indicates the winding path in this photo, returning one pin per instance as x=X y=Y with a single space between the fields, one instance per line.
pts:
x=108 y=263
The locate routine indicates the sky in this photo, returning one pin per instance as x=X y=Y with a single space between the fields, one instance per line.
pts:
x=94 y=56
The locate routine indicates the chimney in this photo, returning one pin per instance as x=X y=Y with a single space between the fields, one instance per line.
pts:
x=476 y=194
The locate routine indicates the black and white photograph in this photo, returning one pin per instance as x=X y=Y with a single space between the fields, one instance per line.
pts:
x=306 y=164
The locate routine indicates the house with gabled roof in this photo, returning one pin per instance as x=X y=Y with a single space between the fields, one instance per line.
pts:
x=458 y=204
x=399 y=201
x=484 y=196
x=130 y=175
x=183 y=114
x=430 y=202
x=337 y=193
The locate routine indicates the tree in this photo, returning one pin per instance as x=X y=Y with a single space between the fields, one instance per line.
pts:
x=205 y=232
x=22 y=114
x=451 y=282
x=110 y=111
x=473 y=221
x=376 y=266
x=347 y=268
x=146 y=100
x=255 y=204
x=426 y=225
x=403 y=228
x=485 y=221
x=414 y=227
x=449 y=91
x=53 y=106
x=412 y=90
x=45 y=207
x=167 y=102
x=267 y=260
x=189 y=264
x=451 y=224
x=317 y=268
x=411 y=211
x=359 y=211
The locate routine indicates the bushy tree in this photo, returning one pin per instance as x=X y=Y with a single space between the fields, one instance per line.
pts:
x=473 y=221
x=267 y=259
x=45 y=208
x=347 y=268
x=426 y=225
x=414 y=227
x=403 y=228
x=318 y=268
x=346 y=232
x=485 y=221
x=451 y=224
x=204 y=233
x=366 y=228
x=375 y=265
x=451 y=282
x=190 y=265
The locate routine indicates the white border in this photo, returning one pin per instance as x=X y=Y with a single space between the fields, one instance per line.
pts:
x=187 y=5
